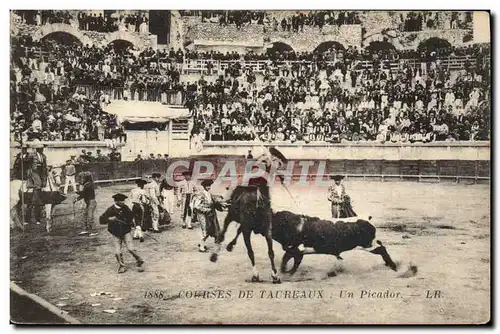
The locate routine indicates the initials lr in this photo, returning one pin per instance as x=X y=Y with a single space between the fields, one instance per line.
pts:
x=433 y=294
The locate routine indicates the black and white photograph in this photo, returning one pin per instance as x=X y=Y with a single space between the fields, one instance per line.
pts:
x=250 y=167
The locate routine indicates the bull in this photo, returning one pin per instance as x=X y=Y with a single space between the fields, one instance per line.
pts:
x=300 y=235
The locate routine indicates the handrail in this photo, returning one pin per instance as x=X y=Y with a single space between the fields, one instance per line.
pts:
x=201 y=65
x=171 y=97
x=197 y=65
x=482 y=143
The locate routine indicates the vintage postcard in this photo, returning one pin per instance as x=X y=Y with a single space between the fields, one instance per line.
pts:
x=250 y=167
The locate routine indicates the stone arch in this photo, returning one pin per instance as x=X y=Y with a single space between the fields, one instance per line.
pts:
x=379 y=45
x=61 y=27
x=433 y=43
x=124 y=36
x=120 y=44
x=62 y=38
x=388 y=37
x=323 y=46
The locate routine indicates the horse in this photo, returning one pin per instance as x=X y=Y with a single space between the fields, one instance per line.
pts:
x=321 y=237
x=21 y=195
x=250 y=206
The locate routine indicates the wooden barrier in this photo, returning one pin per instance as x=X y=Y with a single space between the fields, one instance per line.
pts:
x=382 y=169
x=27 y=308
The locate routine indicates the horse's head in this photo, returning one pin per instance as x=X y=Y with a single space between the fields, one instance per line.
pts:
x=56 y=174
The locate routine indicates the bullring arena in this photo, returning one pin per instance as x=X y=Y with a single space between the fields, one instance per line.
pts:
x=397 y=103
x=410 y=217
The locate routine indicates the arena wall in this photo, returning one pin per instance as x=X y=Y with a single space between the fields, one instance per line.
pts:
x=58 y=152
x=361 y=151
x=27 y=308
x=375 y=169
x=458 y=167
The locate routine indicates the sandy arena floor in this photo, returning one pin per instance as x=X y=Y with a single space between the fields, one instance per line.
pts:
x=443 y=229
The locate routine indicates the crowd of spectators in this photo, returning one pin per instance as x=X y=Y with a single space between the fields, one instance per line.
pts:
x=50 y=111
x=87 y=20
x=317 y=96
x=87 y=157
x=42 y=17
x=425 y=20
x=320 y=97
x=122 y=73
x=109 y=23
x=351 y=54
x=295 y=21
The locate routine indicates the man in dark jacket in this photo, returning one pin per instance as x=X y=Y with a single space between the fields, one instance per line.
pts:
x=21 y=164
x=115 y=155
x=120 y=221
x=87 y=193
x=37 y=179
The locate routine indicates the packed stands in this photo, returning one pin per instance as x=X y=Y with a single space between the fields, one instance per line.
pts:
x=337 y=94
x=333 y=101
x=86 y=20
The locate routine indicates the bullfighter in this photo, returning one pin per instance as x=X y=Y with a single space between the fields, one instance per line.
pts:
x=139 y=201
x=205 y=205
x=120 y=221
x=341 y=202
x=187 y=191
x=37 y=179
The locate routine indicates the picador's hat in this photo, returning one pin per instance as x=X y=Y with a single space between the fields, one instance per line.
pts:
x=141 y=182
x=337 y=177
x=207 y=182
x=119 y=197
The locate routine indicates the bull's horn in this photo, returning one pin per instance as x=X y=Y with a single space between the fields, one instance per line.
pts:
x=369 y=217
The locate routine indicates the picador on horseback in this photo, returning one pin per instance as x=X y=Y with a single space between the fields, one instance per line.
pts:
x=35 y=185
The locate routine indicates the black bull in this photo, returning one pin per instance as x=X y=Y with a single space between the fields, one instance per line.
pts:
x=292 y=230
x=322 y=237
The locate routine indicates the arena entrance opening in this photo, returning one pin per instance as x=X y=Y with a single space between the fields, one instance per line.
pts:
x=62 y=38
x=121 y=44
x=377 y=46
x=279 y=47
x=433 y=44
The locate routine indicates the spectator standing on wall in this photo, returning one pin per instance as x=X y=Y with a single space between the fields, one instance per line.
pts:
x=101 y=157
x=115 y=155
x=82 y=159
x=90 y=157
